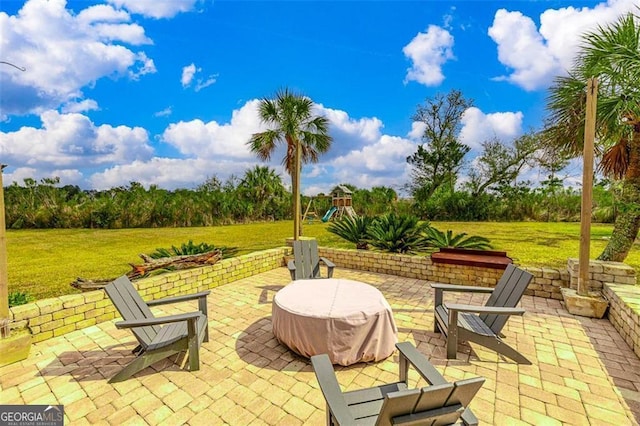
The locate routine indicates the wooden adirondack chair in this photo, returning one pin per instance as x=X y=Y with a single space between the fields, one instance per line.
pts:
x=162 y=337
x=442 y=403
x=482 y=324
x=306 y=263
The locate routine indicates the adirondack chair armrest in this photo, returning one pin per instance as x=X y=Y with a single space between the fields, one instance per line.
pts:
x=291 y=266
x=330 y=265
x=177 y=299
x=330 y=388
x=410 y=355
x=484 y=309
x=441 y=288
x=158 y=321
x=327 y=262
x=461 y=288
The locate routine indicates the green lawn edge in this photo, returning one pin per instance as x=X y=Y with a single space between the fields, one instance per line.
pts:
x=45 y=262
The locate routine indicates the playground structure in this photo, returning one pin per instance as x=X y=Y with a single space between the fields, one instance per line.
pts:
x=309 y=214
x=341 y=204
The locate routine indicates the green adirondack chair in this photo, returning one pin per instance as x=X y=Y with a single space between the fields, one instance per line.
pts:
x=306 y=262
x=441 y=403
x=162 y=337
x=482 y=324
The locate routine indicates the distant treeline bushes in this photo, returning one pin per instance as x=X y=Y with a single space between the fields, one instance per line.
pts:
x=261 y=196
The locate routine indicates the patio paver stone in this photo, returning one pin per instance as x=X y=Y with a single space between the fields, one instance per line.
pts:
x=583 y=372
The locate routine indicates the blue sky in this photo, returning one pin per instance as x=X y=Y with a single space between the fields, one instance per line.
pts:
x=165 y=92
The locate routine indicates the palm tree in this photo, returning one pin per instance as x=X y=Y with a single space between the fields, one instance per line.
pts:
x=291 y=120
x=263 y=187
x=612 y=54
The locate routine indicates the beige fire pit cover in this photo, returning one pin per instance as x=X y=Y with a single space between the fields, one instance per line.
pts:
x=348 y=320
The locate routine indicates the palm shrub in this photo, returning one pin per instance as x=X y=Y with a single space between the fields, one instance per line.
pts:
x=397 y=233
x=353 y=229
x=439 y=239
x=190 y=248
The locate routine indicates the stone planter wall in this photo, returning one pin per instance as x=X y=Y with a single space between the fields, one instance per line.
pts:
x=546 y=282
x=401 y=265
x=56 y=316
x=60 y=315
x=624 y=312
x=601 y=272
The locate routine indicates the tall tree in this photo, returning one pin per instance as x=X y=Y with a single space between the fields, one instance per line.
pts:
x=612 y=54
x=439 y=158
x=291 y=120
x=500 y=164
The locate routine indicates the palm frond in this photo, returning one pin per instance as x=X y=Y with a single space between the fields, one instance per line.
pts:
x=439 y=239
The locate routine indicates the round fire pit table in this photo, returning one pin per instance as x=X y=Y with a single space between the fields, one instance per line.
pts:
x=348 y=320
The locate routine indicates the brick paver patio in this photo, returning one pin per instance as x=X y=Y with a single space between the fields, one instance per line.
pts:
x=583 y=373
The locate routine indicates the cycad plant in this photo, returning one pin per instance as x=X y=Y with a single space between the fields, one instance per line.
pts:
x=353 y=230
x=439 y=239
x=190 y=248
x=397 y=234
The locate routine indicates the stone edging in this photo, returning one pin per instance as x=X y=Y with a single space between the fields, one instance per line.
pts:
x=59 y=315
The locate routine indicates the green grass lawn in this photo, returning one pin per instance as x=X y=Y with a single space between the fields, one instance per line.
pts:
x=44 y=262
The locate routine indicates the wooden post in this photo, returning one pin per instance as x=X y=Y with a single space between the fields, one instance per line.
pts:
x=4 y=278
x=296 y=193
x=587 y=186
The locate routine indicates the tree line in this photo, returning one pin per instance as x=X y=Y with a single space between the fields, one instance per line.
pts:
x=260 y=195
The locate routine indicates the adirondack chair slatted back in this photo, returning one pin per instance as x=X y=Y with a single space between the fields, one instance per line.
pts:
x=131 y=307
x=306 y=258
x=437 y=404
x=508 y=292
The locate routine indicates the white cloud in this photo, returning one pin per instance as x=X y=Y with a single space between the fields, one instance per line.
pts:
x=156 y=8
x=428 y=52
x=167 y=173
x=101 y=156
x=534 y=56
x=81 y=106
x=384 y=155
x=417 y=130
x=361 y=154
x=213 y=140
x=72 y=141
x=187 y=75
x=478 y=127
x=63 y=52
x=164 y=113
x=202 y=83
x=68 y=176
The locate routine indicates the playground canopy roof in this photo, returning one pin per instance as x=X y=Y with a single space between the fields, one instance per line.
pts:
x=341 y=188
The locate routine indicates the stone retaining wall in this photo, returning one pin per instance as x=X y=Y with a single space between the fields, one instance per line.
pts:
x=601 y=272
x=56 y=316
x=546 y=281
x=624 y=312
x=59 y=315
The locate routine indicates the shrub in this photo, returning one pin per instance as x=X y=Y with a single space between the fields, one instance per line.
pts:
x=439 y=239
x=397 y=234
x=17 y=298
x=353 y=230
x=190 y=248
